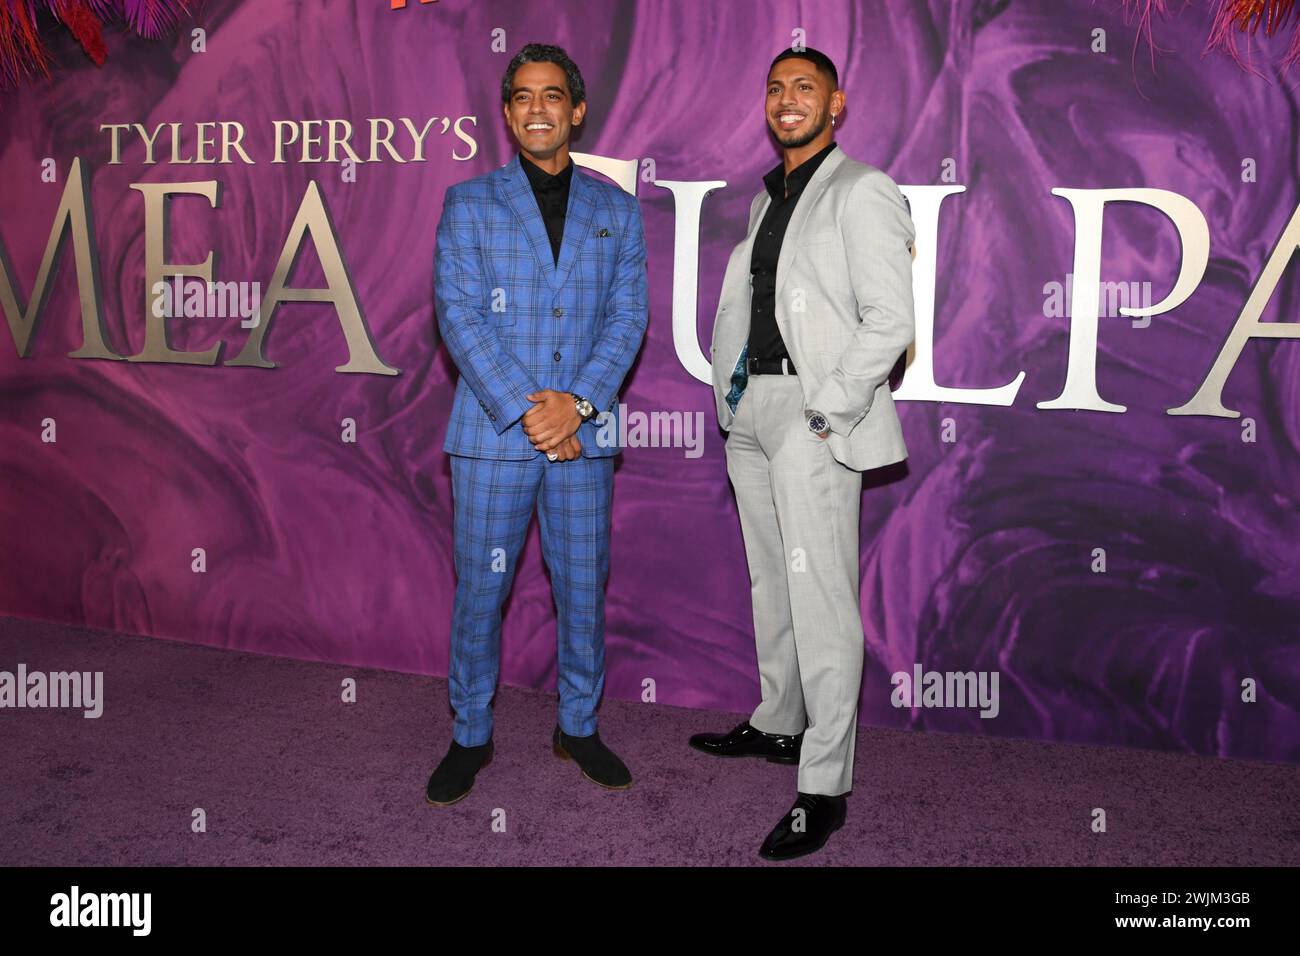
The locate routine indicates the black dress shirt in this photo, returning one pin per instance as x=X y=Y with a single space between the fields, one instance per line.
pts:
x=552 y=194
x=765 y=340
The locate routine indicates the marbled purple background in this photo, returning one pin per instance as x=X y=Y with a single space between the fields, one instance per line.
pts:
x=978 y=559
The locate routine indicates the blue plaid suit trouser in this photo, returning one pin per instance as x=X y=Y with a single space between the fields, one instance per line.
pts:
x=493 y=501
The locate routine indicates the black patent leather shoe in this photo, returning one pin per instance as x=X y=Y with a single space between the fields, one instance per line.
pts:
x=599 y=764
x=806 y=828
x=454 y=778
x=745 y=741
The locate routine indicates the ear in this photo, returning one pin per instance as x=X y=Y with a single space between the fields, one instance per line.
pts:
x=579 y=113
x=837 y=101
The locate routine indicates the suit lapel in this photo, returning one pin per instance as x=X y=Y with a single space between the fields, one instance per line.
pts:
x=519 y=197
x=746 y=251
x=732 y=328
x=816 y=185
x=577 y=225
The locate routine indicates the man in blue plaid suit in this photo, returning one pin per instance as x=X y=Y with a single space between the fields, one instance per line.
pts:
x=541 y=299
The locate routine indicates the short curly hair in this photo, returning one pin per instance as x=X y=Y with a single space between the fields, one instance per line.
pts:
x=545 y=53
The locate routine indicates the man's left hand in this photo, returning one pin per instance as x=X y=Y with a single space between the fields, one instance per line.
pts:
x=552 y=420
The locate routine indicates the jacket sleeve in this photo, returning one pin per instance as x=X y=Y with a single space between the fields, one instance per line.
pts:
x=626 y=315
x=496 y=377
x=878 y=236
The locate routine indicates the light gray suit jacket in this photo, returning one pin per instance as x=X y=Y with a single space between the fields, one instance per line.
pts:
x=843 y=305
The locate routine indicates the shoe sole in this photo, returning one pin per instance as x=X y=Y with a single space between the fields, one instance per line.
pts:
x=714 y=753
x=559 y=751
x=795 y=856
x=447 y=803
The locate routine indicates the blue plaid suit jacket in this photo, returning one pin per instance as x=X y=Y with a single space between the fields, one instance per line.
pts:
x=516 y=323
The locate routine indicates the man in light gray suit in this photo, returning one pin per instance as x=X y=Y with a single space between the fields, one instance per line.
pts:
x=816 y=309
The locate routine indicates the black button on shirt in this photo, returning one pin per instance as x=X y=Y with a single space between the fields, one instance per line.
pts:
x=765 y=340
x=552 y=194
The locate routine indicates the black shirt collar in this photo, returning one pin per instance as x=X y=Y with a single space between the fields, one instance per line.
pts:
x=541 y=179
x=778 y=183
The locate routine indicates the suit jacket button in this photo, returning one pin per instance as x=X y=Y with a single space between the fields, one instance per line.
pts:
x=556 y=356
x=491 y=417
x=557 y=312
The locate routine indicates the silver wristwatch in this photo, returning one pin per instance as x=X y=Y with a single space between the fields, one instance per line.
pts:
x=584 y=407
x=817 y=423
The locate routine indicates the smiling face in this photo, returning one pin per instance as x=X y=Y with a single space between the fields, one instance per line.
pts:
x=541 y=112
x=800 y=101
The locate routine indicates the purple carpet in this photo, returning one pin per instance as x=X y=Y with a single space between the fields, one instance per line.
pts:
x=287 y=773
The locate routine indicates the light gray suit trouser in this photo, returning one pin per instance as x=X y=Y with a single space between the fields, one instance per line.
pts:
x=799 y=517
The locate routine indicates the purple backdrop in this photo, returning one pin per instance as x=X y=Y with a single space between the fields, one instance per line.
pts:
x=979 y=558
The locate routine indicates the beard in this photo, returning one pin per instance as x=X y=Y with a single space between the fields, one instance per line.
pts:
x=801 y=139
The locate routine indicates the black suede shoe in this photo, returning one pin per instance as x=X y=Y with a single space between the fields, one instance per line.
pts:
x=745 y=741
x=454 y=778
x=599 y=764
x=800 y=833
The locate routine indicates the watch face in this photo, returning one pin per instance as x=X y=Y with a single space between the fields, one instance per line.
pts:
x=817 y=423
